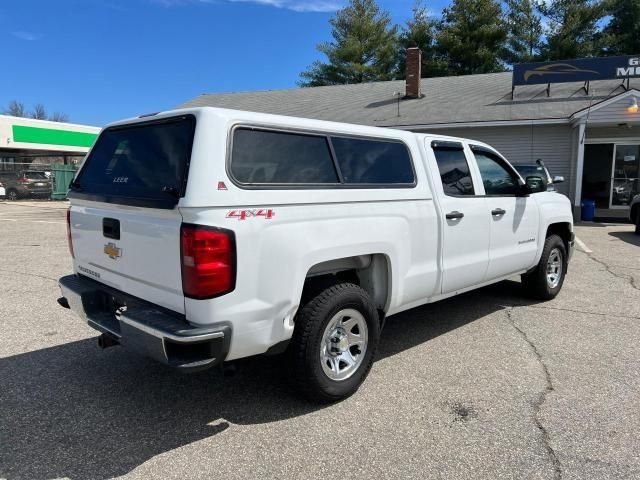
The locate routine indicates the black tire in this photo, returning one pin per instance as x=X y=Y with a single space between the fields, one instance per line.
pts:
x=12 y=194
x=307 y=373
x=638 y=224
x=536 y=283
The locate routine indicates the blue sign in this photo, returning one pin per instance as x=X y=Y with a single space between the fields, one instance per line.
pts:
x=579 y=70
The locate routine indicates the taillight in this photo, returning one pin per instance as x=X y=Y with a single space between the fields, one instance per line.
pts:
x=208 y=260
x=69 y=240
x=22 y=180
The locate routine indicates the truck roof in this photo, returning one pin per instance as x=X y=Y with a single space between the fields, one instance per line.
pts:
x=247 y=116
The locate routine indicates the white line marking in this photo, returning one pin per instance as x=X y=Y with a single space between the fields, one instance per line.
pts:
x=8 y=219
x=582 y=246
x=45 y=221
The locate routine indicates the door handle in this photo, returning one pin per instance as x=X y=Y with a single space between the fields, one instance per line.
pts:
x=454 y=215
x=498 y=211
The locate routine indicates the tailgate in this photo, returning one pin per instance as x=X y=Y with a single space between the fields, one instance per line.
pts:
x=125 y=221
x=135 y=250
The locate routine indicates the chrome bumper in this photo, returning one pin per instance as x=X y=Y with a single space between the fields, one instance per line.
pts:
x=143 y=327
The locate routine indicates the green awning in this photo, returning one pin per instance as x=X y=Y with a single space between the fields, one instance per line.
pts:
x=52 y=136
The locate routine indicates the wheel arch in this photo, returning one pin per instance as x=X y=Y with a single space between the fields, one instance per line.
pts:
x=563 y=230
x=372 y=272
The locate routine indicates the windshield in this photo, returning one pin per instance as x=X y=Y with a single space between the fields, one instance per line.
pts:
x=144 y=162
x=35 y=175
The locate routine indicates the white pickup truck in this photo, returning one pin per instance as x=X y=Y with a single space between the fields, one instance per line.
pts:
x=205 y=235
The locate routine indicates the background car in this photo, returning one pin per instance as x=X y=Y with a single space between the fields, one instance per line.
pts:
x=25 y=184
x=3 y=191
x=634 y=213
x=538 y=169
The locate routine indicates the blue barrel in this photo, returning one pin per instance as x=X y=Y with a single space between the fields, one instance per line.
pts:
x=588 y=210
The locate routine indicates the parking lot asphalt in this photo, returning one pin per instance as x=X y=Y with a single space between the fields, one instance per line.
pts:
x=484 y=385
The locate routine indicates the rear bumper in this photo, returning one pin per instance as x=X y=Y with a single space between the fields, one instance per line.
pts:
x=145 y=328
x=38 y=191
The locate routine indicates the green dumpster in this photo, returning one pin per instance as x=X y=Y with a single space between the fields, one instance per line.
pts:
x=62 y=176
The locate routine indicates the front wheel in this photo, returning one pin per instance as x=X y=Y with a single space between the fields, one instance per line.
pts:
x=12 y=194
x=334 y=343
x=545 y=282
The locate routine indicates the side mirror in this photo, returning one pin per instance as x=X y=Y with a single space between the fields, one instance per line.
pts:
x=558 y=179
x=535 y=184
x=521 y=189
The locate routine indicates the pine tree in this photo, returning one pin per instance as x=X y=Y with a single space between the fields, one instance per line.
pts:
x=472 y=36
x=364 y=47
x=420 y=32
x=524 y=31
x=572 y=29
x=621 y=36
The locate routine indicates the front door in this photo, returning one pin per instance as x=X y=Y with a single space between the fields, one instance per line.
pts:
x=466 y=226
x=625 y=174
x=514 y=219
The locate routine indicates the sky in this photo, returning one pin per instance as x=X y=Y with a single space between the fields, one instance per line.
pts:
x=104 y=60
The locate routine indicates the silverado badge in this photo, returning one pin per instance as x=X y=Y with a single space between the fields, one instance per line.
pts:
x=113 y=251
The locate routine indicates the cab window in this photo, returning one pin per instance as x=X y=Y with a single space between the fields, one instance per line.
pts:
x=454 y=168
x=497 y=178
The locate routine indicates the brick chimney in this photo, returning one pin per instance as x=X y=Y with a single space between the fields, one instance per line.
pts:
x=414 y=72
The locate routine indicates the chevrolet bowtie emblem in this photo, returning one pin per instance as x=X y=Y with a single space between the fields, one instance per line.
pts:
x=113 y=251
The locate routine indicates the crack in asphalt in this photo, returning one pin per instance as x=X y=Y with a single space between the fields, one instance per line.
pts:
x=585 y=312
x=631 y=469
x=608 y=268
x=542 y=397
x=29 y=275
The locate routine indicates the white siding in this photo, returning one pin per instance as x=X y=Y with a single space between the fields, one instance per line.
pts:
x=614 y=113
x=615 y=133
x=522 y=144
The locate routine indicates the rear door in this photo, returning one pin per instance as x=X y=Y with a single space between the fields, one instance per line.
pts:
x=124 y=218
x=465 y=249
x=514 y=218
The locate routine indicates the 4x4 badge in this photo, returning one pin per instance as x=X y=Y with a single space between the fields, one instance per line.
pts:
x=113 y=251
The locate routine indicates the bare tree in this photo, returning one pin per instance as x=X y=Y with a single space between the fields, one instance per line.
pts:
x=15 y=109
x=39 y=112
x=59 y=117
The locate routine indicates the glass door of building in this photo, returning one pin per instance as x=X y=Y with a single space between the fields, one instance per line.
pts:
x=625 y=175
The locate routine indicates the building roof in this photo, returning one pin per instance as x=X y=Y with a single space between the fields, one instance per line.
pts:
x=446 y=100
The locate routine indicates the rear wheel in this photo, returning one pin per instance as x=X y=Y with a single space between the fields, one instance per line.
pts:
x=545 y=282
x=12 y=194
x=334 y=343
x=638 y=223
